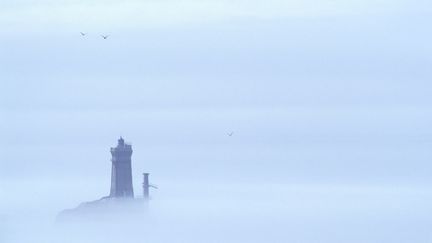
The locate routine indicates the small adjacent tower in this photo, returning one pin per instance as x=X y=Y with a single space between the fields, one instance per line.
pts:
x=121 y=173
x=146 y=186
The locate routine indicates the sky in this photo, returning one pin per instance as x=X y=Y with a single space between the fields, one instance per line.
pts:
x=326 y=99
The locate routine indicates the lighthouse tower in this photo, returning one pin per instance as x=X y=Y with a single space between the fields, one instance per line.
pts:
x=121 y=173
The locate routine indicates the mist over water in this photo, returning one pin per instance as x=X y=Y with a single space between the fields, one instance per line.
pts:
x=243 y=212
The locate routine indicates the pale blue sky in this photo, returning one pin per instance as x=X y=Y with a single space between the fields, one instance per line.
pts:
x=179 y=75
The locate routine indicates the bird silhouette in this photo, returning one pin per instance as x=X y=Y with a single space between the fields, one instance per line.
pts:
x=83 y=34
x=230 y=134
x=105 y=36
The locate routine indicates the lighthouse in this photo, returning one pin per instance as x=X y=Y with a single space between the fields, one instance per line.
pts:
x=121 y=172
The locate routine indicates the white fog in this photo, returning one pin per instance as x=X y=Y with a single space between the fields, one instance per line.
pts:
x=258 y=121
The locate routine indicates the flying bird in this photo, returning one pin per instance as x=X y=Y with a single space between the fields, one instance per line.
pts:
x=83 y=34
x=230 y=134
x=105 y=36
